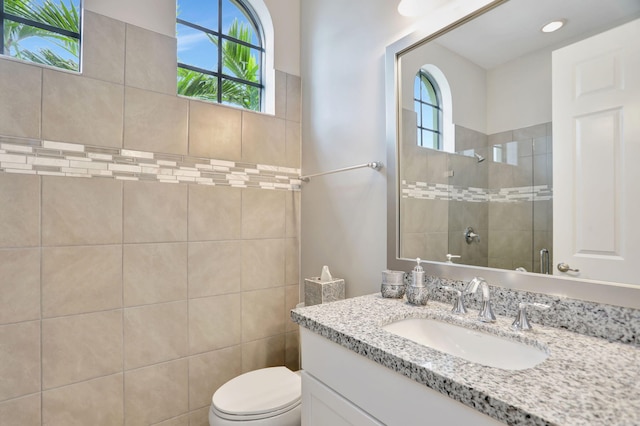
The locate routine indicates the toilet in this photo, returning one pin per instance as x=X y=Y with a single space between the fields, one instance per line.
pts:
x=265 y=397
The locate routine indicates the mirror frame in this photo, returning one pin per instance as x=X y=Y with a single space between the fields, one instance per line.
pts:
x=448 y=17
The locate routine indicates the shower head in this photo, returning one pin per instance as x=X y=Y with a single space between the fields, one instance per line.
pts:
x=479 y=157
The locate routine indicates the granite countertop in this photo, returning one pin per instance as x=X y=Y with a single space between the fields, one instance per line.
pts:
x=584 y=381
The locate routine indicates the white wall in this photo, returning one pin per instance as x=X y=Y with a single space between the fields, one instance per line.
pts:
x=286 y=19
x=154 y=15
x=466 y=79
x=519 y=93
x=342 y=64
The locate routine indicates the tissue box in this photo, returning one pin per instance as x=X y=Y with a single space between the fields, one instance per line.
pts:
x=317 y=292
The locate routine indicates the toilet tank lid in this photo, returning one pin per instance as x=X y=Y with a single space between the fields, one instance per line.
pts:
x=258 y=392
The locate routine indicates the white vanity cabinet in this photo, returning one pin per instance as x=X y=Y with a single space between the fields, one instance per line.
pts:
x=340 y=387
x=322 y=406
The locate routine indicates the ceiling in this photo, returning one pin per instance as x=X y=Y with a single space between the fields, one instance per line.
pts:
x=513 y=29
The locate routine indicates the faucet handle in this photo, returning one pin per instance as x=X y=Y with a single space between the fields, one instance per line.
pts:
x=521 y=323
x=458 y=304
x=486 y=313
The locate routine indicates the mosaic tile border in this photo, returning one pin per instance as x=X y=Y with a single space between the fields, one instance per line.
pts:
x=42 y=157
x=444 y=192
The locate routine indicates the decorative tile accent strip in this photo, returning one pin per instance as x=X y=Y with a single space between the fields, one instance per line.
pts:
x=29 y=156
x=441 y=191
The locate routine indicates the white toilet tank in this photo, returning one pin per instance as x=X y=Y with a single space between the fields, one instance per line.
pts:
x=265 y=397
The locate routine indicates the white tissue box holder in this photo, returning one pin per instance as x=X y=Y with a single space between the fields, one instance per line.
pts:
x=317 y=291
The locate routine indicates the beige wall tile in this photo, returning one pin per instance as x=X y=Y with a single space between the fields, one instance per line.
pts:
x=292 y=213
x=176 y=421
x=19 y=210
x=81 y=347
x=293 y=144
x=81 y=279
x=96 y=402
x=294 y=91
x=263 y=353
x=154 y=212
x=263 y=213
x=262 y=313
x=155 y=122
x=292 y=261
x=154 y=334
x=291 y=299
x=103 y=48
x=215 y=268
x=80 y=109
x=214 y=323
x=263 y=264
x=292 y=351
x=21 y=412
x=281 y=94
x=263 y=139
x=215 y=131
x=20 y=285
x=156 y=393
x=199 y=417
x=154 y=273
x=151 y=61
x=81 y=211
x=209 y=371
x=22 y=84
x=214 y=213
x=19 y=359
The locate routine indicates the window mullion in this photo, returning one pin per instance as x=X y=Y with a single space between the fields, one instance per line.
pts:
x=40 y=25
x=220 y=47
x=2 y=26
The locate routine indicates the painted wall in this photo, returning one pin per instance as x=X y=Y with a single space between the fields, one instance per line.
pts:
x=519 y=93
x=342 y=61
x=466 y=80
x=148 y=242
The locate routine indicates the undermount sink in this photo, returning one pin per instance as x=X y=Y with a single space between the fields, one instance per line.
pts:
x=471 y=345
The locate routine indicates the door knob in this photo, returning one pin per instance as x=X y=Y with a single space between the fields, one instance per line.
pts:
x=563 y=267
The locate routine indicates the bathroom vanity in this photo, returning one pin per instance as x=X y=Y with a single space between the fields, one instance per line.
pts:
x=357 y=373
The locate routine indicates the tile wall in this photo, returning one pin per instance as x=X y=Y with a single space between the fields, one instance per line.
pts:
x=125 y=299
x=509 y=204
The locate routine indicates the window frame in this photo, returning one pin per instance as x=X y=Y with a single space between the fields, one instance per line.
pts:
x=25 y=21
x=424 y=75
x=219 y=75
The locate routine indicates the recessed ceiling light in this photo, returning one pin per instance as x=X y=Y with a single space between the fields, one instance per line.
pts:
x=553 y=26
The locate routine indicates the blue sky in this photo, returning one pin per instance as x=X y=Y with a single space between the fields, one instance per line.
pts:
x=34 y=44
x=194 y=48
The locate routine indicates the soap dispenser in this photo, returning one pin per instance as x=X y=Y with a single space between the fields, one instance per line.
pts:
x=417 y=292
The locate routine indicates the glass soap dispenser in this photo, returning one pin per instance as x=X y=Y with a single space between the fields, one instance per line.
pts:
x=417 y=292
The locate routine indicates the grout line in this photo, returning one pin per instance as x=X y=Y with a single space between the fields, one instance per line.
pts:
x=40 y=262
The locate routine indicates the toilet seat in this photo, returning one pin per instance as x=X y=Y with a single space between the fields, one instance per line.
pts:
x=258 y=394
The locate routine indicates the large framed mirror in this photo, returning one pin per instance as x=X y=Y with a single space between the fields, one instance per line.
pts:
x=472 y=118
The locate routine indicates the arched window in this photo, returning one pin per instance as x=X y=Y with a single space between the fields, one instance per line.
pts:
x=220 y=52
x=428 y=107
x=44 y=32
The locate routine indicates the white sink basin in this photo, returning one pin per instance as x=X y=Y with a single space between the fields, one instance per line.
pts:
x=471 y=345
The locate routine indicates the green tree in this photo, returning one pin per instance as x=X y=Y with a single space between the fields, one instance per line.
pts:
x=238 y=62
x=57 y=15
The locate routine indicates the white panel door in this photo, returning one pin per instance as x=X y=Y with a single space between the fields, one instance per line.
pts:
x=596 y=156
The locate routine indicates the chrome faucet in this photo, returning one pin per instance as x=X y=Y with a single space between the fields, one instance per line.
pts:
x=486 y=313
x=521 y=323
x=458 y=304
